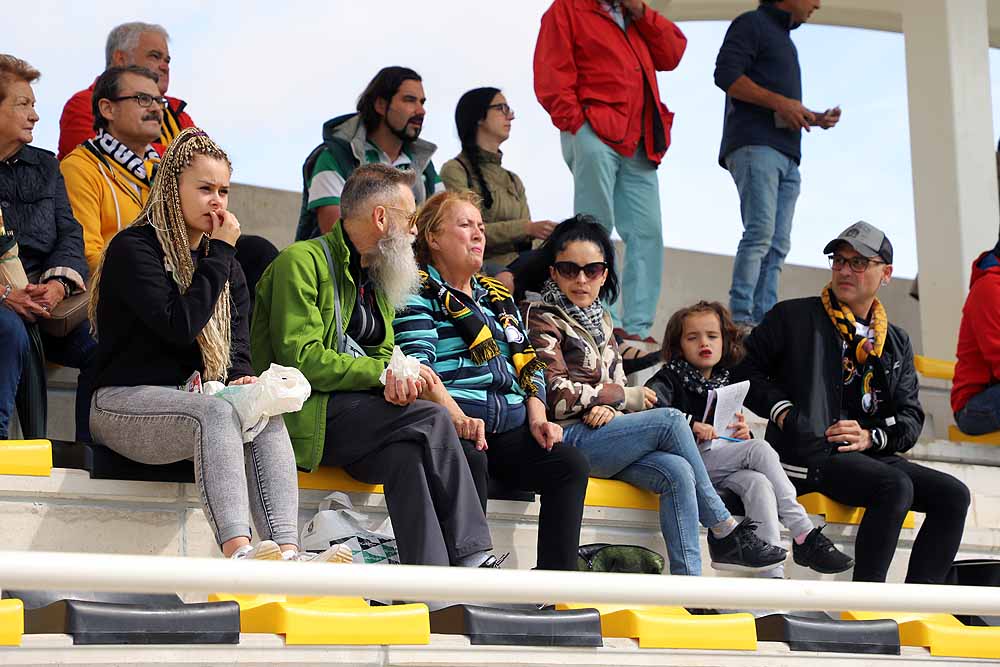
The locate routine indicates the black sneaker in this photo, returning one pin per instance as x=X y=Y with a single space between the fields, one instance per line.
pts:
x=820 y=554
x=493 y=562
x=743 y=551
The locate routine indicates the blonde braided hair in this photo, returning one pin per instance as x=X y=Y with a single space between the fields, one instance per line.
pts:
x=163 y=213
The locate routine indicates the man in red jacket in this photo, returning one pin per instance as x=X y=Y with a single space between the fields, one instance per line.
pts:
x=975 y=392
x=142 y=44
x=595 y=73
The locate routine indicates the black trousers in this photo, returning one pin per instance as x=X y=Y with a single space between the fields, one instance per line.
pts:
x=414 y=452
x=888 y=487
x=559 y=476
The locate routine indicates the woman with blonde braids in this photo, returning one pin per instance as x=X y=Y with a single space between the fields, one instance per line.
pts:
x=168 y=299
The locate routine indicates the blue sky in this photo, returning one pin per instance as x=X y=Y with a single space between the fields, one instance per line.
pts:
x=262 y=77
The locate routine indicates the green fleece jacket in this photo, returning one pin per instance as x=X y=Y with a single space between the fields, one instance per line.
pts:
x=293 y=325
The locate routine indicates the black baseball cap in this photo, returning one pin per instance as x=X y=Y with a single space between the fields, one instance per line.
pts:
x=866 y=239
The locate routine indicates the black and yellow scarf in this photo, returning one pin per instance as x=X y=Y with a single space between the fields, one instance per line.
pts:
x=862 y=356
x=860 y=347
x=476 y=332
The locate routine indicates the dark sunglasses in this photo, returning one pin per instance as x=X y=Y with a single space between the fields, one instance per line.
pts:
x=571 y=270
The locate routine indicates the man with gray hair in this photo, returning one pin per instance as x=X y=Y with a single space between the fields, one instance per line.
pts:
x=136 y=43
x=326 y=306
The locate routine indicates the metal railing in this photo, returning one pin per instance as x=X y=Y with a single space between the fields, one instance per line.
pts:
x=162 y=574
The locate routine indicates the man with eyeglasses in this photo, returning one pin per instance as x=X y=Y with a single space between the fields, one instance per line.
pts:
x=595 y=71
x=838 y=383
x=386 y=130
x=326 y=306
x=142 y=45
x=108 y=177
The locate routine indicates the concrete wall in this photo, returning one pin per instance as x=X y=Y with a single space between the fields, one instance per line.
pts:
x=687 y=277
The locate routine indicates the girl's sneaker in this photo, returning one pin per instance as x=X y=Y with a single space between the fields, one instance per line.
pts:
x=264 y=550
x=338 y=553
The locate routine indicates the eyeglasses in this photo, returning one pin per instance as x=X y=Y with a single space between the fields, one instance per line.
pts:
x=411 y=218
x=570 y=270
x=503 y=107
x=857 y=263
x=142 y=99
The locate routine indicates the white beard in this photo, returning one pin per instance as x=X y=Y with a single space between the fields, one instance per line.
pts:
x=393 y=268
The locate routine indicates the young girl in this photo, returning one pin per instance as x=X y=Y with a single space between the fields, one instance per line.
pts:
x=700 y=345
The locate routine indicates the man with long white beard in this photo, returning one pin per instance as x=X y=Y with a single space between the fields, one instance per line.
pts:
x=326 y=306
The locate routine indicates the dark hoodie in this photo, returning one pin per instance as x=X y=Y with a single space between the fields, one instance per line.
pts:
x=978 y=350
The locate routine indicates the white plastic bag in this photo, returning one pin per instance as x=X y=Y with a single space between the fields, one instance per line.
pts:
x=338 y=523
x=403 y=367
x=278 y=390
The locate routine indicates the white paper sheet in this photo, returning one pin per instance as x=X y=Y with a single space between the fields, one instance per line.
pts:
x=728 y=402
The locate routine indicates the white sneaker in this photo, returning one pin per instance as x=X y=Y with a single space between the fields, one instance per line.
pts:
x=264 y=550
x=338 y=553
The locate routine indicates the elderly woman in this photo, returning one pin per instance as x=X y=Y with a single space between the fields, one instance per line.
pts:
x=168 y=300
x=37 y=212
x=466 y=328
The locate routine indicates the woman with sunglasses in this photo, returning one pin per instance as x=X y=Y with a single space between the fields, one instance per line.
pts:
x=483 y=119
x=617 y=427
x=466 y=328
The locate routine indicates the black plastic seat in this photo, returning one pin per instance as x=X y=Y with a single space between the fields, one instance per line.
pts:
x=128 y=618
x=975 y=572
x=104 y=463
x=816 y=633
x=520 y=627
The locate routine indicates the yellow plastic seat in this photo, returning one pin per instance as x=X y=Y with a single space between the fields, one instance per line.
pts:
x=331 y=620
x=613 y=493
x=335 y=479
x=940 y=369
x=955 y=435
x=834 y=512
x=26 y=457
x=674 y=627
x=941 y=634
x=11 y=622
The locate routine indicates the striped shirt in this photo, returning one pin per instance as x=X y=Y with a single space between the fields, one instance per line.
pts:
x=489 y=391
x=328 y=176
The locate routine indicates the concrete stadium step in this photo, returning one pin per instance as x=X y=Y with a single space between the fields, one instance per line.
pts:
x=69 y=511
x=269 y=649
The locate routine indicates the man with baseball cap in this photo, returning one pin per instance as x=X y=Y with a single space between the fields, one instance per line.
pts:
x=837 y=381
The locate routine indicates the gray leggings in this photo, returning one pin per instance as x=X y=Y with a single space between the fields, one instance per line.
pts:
x=158 y=425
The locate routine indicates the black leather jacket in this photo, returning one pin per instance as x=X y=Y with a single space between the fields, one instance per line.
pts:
x=36 y=208
x=796 y=357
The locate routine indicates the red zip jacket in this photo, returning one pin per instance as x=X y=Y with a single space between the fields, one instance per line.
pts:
x=76 y=124
x=588 y=69
x=979 y=335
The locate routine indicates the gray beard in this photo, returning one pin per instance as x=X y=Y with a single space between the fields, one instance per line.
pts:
x=393 y=268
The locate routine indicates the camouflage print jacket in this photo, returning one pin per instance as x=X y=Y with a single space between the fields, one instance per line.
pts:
x=578 y=373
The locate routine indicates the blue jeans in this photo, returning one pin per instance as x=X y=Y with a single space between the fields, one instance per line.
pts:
x=981 y=414
x=622 y=193
x=768 y=183
x=655 y=450
x=14 y=351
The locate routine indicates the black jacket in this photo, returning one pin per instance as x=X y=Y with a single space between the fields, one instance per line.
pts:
x=795 y=357
x=146 y=329
x=670 y=393
x=36 y=208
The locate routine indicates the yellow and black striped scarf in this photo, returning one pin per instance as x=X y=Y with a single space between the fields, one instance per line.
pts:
x=860 y=347
x=476 y=333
